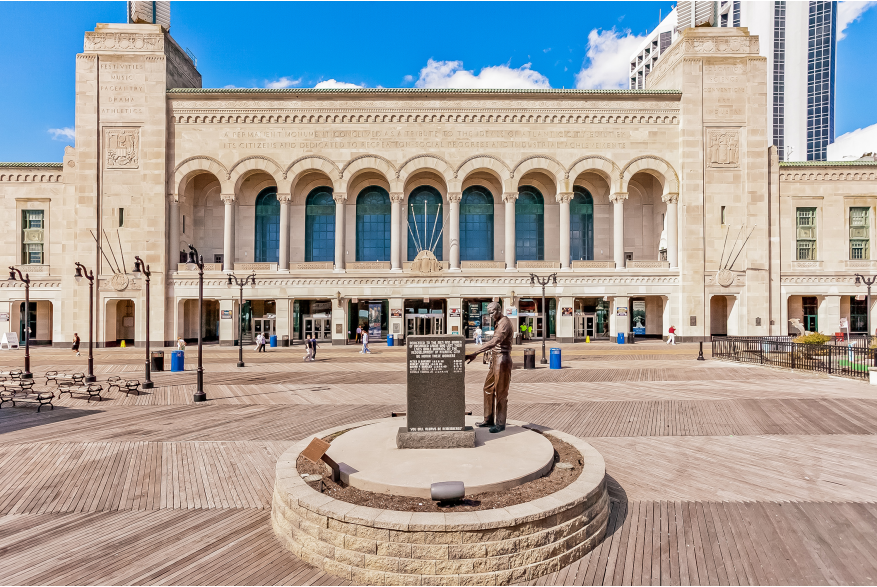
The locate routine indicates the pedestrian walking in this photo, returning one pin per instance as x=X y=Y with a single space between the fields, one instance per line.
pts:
x=313 y=348
x=478 y=333
x=365 y=343
x=671 y=335
x=307 y=356
x=358 y=333
x=261 y=347
x=76 y=343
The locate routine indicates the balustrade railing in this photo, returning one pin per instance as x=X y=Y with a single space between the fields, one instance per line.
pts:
x=852 y=357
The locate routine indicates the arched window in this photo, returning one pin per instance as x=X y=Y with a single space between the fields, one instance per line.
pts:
x=581 y=225
x=267 y=227
x=373 y=224
x=320 y=225
x=425 y=221
x=476 y=224
x=529 y=225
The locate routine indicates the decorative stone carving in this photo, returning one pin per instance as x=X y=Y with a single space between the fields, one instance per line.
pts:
x=670 y=198
x=123 y=42
x=725 y=278
x=339 y=197
x=509 y=196
x=227 y=198
x=119 y=281
x=425 y=262
x=723 y=148
x=397 y=196
x=122 y=147
x=564 y=197
x=455 y=196
x=617 y=197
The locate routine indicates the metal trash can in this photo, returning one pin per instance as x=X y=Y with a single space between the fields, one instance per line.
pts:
x=272 y=341
x=554 y=358
x=631 y=338
x=519 y=338
x=620 y=339
x=284 y=340
x=529 y=358
x=390 y=340
x=157 y=361
x=178 y=361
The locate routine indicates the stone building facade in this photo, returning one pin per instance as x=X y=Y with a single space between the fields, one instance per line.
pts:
x=407 y=211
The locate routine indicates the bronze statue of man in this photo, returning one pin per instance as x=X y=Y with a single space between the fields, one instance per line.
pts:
x=496 y=386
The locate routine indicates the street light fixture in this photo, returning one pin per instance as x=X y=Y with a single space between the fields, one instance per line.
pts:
x=868 y=282
x=196 y=261
x=534 y=279
x=25 y=279
x=141 y=268
x=81 y=272
x=232 y=279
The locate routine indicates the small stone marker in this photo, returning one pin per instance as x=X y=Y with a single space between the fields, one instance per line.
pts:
x=315 y=452
x=436 y=394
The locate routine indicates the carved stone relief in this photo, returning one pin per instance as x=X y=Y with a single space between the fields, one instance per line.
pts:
x=723 y=148
x=122 y=147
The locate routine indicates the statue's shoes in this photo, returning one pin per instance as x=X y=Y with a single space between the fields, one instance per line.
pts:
x=484 y=424
x=495 y=429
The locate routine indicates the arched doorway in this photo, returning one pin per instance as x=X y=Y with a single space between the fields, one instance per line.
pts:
x=373 y=224
x=581 y=225
x=719 y=316
x=529 y=225
x=476 y=224
x=425 y=221
x=119 y=323
x=320 y=225
x=267 y=231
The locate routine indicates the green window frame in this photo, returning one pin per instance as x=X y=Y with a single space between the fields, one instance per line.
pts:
x=476 y=224
x=806 y=234
x=529 y=225
x=860 y=233
x=32 y=251
x=429 y=221
x=320 y=226
x=373 y=224
x=267 y=231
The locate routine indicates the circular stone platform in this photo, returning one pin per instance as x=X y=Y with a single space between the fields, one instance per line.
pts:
x=370 y=461
x=370 y=546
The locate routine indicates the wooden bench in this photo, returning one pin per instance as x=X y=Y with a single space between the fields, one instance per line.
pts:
x=45 y=399
x=59 y=378
x=92 y=390
x=114 y=381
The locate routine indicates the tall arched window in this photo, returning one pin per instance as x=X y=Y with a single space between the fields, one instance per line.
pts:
x=425 y=221
x=373 y=224
x=320 y=225
x=581 y=225
x=529 y=225
x=476 y=224
x=267 y=227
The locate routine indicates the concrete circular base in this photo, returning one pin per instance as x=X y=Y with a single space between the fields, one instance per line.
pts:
x=369 y=546
x=370 y=460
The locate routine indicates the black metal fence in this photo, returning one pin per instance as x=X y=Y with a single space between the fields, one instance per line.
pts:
x=850 y=358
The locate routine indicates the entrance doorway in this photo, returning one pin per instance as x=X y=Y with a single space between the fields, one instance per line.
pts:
x=591 y=318
x=264 y=325
x=424 y=316
x=530 y=316
x=312 y=318
x=316 y=326
x=586 y=326
x=475 y=316
x=370 y=315
x=811 y=308
x=257 y=317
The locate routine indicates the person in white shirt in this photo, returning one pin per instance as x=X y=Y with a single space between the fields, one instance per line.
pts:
x=364 y=342
x=478 y=334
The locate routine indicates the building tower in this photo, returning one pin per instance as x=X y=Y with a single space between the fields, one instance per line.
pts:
x=799 y=41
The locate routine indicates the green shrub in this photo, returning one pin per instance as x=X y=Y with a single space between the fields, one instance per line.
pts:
x=814 y=338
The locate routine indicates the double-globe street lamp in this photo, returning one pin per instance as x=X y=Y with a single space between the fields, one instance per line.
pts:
x=232 y=279
x=860 y=279
x=142 y=269
x=81 y=272
x=534 y=279
x=196 y=261
x=25 y=279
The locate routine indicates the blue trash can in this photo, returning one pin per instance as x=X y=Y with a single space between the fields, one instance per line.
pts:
x=390 y=340
x=620 y=339
x=178 y=361
x=272 y=342
x=554 y=359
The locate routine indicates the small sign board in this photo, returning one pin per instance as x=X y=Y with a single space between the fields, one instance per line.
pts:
x=454 y=313
x=621 y=311
x=4 y=316
x=226 y=315
x=511 y=312
x=859 y=298
x=10 y=339
x=315 y=450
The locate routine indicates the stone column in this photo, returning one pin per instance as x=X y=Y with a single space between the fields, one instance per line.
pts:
x=454 y=230
x=564 y=199
x=621 y=323
x=339 y=319
x=672 y=229
x=396 y=230
x=618 y=227
x=228 y=333
x=340 y=198
x=828 y=314
x=173 y=245
x=565 y=324
x=455 y=323
x=509 y=198
x=283 y=258
x=228 y=234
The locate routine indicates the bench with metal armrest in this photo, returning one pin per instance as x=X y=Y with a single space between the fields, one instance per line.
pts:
x=91 y=389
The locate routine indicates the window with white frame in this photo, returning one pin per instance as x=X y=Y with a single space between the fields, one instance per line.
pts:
x=806 y=234
x=859 y=234
x=32 y=237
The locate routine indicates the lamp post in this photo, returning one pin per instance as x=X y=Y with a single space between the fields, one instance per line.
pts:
x=81 y=272
x=241 y=284
x=534 y=279
x=868 y=282
x=196 y=261
x=141 y=268
x=25 y=279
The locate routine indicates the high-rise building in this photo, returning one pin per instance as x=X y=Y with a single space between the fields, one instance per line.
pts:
x=798 y=39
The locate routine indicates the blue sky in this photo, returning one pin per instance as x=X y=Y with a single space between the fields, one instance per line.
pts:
x=388 y=44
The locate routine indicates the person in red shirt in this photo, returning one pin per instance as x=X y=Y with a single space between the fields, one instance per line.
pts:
x=671 y=336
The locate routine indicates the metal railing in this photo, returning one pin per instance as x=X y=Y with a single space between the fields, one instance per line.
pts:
x=850 y=358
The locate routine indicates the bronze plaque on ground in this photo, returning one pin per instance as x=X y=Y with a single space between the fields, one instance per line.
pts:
x=315 y=450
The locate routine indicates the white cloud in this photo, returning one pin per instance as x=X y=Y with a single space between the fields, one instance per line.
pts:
x=849 y=12
x=608 y=60
x=334 y=84
x=229 y=87
x=853 y=145
x=408 y=79
x=63 y=134
x=450 y=74
x=284 y=82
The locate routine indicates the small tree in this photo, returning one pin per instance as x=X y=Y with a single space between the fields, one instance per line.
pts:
x=814 y=338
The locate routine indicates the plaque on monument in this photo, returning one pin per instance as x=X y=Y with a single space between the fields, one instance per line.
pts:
x=436 y=394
